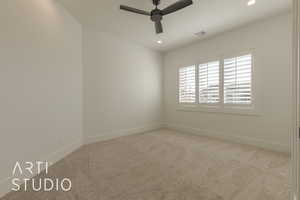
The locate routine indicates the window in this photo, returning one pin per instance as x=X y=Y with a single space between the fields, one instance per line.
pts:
x=187 y=84
x=222 y=84
x=237 y=80
x=209 y=83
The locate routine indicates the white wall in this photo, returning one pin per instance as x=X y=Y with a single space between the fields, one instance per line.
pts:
x=122 y=87
x=40 y=83
x=271 y=40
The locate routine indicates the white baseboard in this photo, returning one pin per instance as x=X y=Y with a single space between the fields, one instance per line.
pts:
x=52 y=158
x=5 y=184
x=64 y=151
x=120 y=133
x=233 y=138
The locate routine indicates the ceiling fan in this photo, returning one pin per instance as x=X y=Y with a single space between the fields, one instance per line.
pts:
x=157 y=14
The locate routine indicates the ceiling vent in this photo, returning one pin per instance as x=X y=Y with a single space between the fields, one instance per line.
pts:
x=200 y=34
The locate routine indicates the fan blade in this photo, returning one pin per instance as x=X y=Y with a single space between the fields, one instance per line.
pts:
x=134 y=10
x=177 y=6
x=158 y=27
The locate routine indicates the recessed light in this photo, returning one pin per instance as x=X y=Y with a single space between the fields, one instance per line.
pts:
x=251 y=2
x=159 y=41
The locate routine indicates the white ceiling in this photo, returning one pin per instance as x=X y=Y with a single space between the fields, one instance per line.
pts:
x=212 y=16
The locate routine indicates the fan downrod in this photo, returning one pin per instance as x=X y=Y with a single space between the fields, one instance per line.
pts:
x=156 y=2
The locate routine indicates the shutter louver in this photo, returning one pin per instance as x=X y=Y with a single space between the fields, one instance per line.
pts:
x=209 y=83
x=237 y=80
x=187 y=84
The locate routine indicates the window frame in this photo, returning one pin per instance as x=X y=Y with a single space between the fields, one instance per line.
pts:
x=197 y=84
x=178 y=86
x=252 y=82
x=221 y=107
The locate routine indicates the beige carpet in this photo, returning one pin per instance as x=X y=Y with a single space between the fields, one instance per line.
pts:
x=166 y=165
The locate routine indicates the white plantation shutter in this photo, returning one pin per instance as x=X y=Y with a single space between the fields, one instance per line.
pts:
x=237 y=80
x=209 y=82
x=187 y=84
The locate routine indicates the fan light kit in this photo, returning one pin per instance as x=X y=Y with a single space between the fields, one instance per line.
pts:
x=156 y=15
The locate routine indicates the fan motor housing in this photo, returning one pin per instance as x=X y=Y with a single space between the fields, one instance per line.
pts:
x=156 y=15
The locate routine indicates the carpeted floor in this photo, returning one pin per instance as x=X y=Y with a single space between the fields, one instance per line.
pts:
x=166 y=165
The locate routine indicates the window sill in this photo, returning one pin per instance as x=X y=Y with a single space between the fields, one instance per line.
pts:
x=233 y=110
